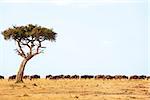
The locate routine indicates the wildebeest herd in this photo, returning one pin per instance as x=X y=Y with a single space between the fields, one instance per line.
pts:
x=107 y=77
x=32 y=77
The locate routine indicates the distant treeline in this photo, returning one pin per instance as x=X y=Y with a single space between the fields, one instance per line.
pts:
x=104 y=77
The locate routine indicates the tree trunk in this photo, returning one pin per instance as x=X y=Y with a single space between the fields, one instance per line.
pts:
x=20 y=73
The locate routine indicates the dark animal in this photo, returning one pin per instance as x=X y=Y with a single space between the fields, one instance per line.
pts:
x=134 y=77
x=48 y=76
x=13 y=77
x=148 y=77
x=118 y=76
x=75 y=77
x=142 y=77
x=121 y=77
x=100 y=77
x=87 y=76
x=109 y=77
x=26 y=77
x=124 y=77
x=67 y=77
x=57 y=77
x=1 y=77
x=34 y=77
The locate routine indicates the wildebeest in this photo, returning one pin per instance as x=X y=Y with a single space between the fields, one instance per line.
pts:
x=124 y=77
x=87 y=76
x=34 y=77
x=148 y=77
x=75 y=77
x=142 y=77
x=121 y=77
x=99 y=76
x=138 y=77
x=13 y=77
x=67 y=77
x=57 y=77
x=26 y=77
x=48 y=76
x=1 y=77
x=109 y=77
x=134 y=77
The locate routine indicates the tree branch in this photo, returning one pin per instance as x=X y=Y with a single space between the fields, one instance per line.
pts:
x=21 y=52
x=28 y=45
x=32 y=55
x=37 y=50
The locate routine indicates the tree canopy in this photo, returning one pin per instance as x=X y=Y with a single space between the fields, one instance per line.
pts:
x=30 y=31
x=31 y=36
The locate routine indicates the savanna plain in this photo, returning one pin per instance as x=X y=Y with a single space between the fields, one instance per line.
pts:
x=75 y=89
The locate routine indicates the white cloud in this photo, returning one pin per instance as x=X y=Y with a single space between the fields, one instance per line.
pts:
x=68 y=2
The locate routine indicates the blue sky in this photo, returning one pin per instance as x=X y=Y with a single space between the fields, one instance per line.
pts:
x=94 y=37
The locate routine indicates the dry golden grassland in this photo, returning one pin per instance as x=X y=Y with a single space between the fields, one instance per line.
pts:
x=72 y=89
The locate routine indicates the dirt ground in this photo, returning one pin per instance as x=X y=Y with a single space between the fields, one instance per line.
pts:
x=80 y=89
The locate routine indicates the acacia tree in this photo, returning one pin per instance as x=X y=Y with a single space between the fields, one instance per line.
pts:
x=29 y=41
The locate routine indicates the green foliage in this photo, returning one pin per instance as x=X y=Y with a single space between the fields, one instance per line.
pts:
x=21 y=33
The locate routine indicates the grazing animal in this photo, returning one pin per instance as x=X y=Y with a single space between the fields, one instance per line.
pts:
x=57 y=77
x=48 y=76
x=148 y=77
x=67 y=77
x=1 y=77
x=61 y=76
x=26 y=77
x=109 y=77
x=124 y=77
x=34 y=77
x=75 y=77
x=87 y=76
x=120 y=77
x=54 y=77
x=134 y=77
x=13 y=77
x=142 y=77
x=100 y=77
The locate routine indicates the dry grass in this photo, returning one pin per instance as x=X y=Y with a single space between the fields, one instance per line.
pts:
x=89 y=89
